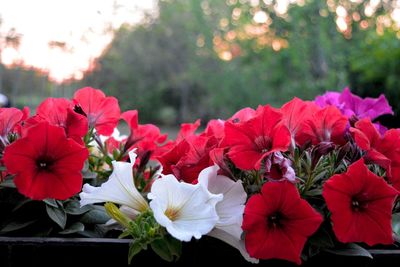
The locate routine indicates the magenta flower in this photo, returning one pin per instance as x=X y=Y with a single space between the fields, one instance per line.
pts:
x=353 y=105
x=364 y=108
x=330 y=99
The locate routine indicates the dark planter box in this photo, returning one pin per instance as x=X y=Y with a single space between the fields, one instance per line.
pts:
x=113 y=252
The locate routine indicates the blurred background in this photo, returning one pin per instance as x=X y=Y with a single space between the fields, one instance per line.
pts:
x=179 y=60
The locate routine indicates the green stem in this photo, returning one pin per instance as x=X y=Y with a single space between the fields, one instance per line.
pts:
x=309 y=180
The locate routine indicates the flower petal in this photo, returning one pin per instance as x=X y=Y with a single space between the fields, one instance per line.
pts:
x=119 y=189
x=192 y=206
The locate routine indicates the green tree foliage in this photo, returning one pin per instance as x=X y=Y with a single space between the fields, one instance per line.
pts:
x=375 y=68
x=171 y=65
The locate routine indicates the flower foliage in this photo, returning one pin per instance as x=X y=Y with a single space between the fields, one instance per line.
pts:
x=275 y=183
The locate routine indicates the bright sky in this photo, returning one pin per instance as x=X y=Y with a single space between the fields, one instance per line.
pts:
x=81 y=24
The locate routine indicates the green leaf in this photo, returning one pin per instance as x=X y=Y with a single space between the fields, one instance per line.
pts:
x=314 y=192
x=8 y=183
x=51 y=202
x=174 y=246
x=74 y=208
x=322 y=239
x=58 y=215
x=95 y=216
x=21 y=204
x=396 y=223
x=320 y=175
x=74 y=228
x=160 y=247
x=134 y=248
x=13 y=226
x=108 y=160
x=350 y=250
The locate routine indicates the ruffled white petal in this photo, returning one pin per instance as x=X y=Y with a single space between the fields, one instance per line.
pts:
x=230 y=209
x=193 y=206
x=119 y=189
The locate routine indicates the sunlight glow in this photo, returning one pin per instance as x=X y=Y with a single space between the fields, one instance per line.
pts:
x=64 y=37
x=260 y=17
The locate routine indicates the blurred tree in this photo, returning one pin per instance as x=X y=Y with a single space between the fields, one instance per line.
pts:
x=209 y=58
x=375 y=69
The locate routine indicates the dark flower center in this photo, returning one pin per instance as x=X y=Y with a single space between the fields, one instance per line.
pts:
x=44 y=163
x=276 y=172
x=357 y=205
x=274 y=220
x=263 y=143
x=78 y=109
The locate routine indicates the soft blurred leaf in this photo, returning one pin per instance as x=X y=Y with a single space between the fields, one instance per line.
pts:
x=74 y=228
x=396 y=223
x=95 y=216
x=134 y=248
x=14 y=225
x=8 y=183
x=21 y=204
x=322 y=239
x=350 y=250
x=161 y=248
x=57 y=215
x=74 y=208
x=314 y=192
x=51 y=202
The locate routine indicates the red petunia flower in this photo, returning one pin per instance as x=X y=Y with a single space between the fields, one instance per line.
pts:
x=295 y=113
x=190 y=153
x=253 y=140
x=384 y=151
x=59 y=112
x=278 y=222
x=46 y=163
x=326 y=125
x=195 y=159
x=102 y=112
x=144 y=137
x=242 y=115
x=9 y=120
x=187 y=130
x=178 y=148
x=361 y=205
x=170 y=158
x=215 y=129
x=390 y=147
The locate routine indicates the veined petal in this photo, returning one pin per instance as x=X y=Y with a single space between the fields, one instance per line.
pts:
x=185 y=210
x=119 y=189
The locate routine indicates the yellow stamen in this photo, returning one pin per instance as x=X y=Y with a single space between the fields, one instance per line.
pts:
x=172 y=213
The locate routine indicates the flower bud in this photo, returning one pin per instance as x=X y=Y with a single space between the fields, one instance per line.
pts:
x=320 y=150
x=277 y=168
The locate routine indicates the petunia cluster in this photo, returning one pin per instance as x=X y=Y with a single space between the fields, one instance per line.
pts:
x=282 y=183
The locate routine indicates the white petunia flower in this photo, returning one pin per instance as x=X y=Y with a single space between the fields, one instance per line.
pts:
x=185 y=210
x=230 y=209
x=119 y=189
